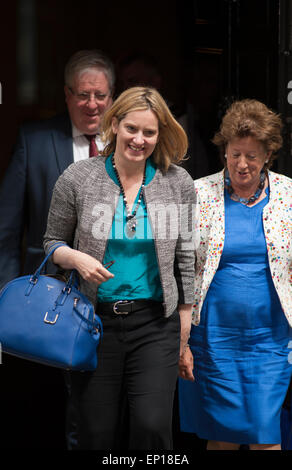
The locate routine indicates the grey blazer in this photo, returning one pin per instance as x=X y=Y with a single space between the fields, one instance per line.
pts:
x=82 y=210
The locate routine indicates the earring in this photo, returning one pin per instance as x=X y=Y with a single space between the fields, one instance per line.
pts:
x=225 y=156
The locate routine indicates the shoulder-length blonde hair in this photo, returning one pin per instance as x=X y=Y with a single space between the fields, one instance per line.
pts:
x=250 y=118
x=172 y=140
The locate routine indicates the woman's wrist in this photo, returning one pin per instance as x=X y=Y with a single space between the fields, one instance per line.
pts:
x=184 y=348
x=66 y=257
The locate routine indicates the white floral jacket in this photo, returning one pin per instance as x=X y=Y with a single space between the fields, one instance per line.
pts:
x=210 y=234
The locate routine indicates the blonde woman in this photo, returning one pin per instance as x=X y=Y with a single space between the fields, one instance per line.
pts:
x=128 y=213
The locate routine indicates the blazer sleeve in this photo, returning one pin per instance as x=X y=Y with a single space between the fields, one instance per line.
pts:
x=12 y=212
x=62 y=217
x=184 y=266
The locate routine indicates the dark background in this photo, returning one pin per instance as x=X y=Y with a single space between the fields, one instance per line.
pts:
x=209 y=52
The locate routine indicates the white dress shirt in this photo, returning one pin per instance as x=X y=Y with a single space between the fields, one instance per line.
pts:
x=81 y=144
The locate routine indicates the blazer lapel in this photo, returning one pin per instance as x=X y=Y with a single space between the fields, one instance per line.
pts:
x=63 y=143
x=217 y=226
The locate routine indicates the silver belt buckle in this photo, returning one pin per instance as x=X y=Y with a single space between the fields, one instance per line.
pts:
x=116 y=306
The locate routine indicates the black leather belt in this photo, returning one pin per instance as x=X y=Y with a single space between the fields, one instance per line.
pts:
x=123 y=307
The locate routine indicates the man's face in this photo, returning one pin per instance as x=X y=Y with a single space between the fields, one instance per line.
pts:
x=88 y=99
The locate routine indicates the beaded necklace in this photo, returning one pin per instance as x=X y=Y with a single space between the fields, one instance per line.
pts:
x=243 y=200
x=131 y=217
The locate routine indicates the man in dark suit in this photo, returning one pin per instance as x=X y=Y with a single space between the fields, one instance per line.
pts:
x=42 y=152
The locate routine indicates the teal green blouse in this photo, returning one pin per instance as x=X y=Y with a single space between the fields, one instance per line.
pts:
x=135 y=263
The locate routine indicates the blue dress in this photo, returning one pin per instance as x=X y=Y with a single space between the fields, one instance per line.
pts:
x=240 y=348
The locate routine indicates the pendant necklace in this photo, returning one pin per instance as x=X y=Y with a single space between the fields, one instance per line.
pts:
x=131 y=220
x=243 y=200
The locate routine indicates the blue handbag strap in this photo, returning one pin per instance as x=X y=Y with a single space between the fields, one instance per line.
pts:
x=40 y=268
x=73 y=275
x=95 y=323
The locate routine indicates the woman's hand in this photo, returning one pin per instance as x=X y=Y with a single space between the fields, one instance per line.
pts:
x=88 y=267
x=91 y=269
x=185 y=313
x=186 y=365
x=185 y=357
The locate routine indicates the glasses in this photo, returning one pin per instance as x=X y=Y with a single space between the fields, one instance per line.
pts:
x=85 y=97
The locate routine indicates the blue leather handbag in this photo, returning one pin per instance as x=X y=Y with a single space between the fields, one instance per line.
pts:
x=47 y=320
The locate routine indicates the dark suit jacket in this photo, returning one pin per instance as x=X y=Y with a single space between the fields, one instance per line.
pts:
x=42 y=152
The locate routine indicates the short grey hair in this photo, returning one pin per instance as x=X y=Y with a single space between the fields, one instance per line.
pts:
x=88 y=59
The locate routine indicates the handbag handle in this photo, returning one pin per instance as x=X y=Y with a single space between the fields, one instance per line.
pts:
x=37 y=273
x=44 y=262
x=34 y=278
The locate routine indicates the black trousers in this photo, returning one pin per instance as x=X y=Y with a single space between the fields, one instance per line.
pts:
x=137 y=372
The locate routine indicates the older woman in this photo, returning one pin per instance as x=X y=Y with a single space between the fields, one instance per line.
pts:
x=242 y=314
x=124 y=219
